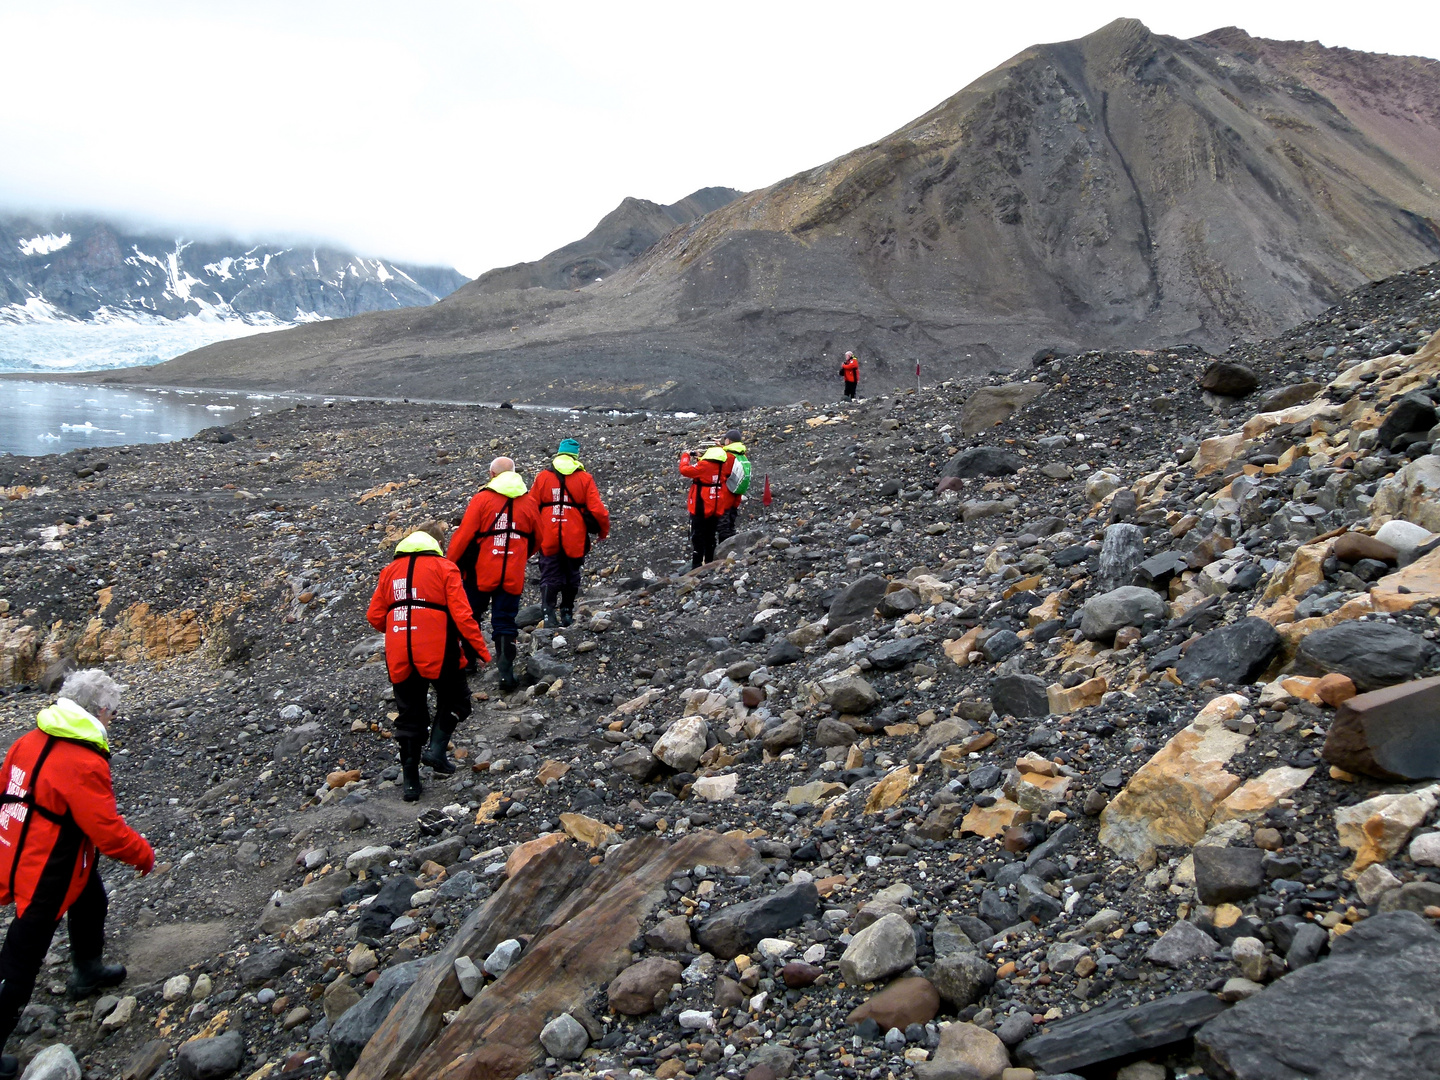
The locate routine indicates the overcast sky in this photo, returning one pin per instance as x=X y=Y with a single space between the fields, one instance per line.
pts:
x=482 y=134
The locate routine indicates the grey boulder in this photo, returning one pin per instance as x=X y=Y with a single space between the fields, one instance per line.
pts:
x=1128 y=605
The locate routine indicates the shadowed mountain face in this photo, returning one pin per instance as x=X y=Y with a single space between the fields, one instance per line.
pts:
x=73 y=266
x=622 y=236
x=1123 y=189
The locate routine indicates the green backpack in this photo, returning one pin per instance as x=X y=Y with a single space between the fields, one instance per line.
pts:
x=738 y=482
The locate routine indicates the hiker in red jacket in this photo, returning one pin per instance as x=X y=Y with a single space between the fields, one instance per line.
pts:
x=709 y=499
x=571 y=511
x=420 y=606
x=57 y=816
x=494 y=540
x=850 y=372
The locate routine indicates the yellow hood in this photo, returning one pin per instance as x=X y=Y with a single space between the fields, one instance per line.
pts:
x=66 y=720
x=508 y=484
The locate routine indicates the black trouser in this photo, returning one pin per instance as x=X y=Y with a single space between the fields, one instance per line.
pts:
x=850 y=388
x=726 y=528
x=560 y=578
x=702 y=538
x=502 y=615
x=29 y=939
x=452 y=703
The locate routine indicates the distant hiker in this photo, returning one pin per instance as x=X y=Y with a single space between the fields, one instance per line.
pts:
x=850 y=372
x=709 y=499
x=737 y=482
x=421 y=607
x=494 y=540
x=57 y=811
x=571 y=512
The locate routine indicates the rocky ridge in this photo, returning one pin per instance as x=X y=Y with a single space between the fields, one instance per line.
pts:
x=1078 y=722
x=1126 y=189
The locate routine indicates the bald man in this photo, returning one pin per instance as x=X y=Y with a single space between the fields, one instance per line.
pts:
x=495 y=539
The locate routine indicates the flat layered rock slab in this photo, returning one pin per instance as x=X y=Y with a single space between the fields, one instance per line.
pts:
x=1371 y=1010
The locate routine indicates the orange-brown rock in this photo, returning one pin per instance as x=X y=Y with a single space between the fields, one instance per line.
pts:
x=902 y=1003
x=1084 y=696
x=1335 y=689
x=523 y=853
x=991 y=821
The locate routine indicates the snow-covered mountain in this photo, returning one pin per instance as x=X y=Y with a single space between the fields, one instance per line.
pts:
x=74 y=267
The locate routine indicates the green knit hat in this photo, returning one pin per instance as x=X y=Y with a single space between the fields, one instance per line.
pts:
x=569 y=446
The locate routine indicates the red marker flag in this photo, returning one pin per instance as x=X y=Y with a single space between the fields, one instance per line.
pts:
x=765 y=499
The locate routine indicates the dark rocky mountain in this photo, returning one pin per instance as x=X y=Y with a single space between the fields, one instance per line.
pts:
x=621 y=237
x=81 y=267
x=1126 y=188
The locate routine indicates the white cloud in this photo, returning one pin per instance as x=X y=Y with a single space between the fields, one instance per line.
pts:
x=484 y=134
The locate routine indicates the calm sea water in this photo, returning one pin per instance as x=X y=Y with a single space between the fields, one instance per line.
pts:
x=50 y=418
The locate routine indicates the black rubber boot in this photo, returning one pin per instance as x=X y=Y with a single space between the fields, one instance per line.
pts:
x=410 y=768
x=567 y=616
x=87 y=976
x=434 y=754
x=552 y=620
x=567 y=606
x=505 y=663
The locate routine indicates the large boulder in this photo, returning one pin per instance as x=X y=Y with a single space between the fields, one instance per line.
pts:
x=1019 y=695
x=1121 y=553
x=1233 y=654
x=1392 y=734
x=683 y=745
x=858 y=599
x=737 y=928
x=1128 y=605
x=635 y=990
x=982 y=461
x=1413 y=412
x=881 y=949
x=284 y=910
x=850 y=694
x=1368 y=1011
x=350 y=1034
x=1229 y=379
x=991 y=405
x=893 y=655
x=1372 y=654
x=1413 y=493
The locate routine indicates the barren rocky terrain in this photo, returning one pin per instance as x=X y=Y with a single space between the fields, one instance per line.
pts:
x=1017 y=737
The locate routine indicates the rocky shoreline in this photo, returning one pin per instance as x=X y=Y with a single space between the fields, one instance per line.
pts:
x=1019 y=736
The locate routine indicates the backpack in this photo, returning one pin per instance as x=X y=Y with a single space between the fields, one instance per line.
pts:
x=738 y=482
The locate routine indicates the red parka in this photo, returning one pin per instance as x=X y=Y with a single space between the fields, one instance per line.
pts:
x=420 y=605
x=59 y=809
x=850 y=369
x=496 y=536
x=709 y=497
x=570 y=508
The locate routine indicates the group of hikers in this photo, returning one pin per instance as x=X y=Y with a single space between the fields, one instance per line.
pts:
x=57 y=806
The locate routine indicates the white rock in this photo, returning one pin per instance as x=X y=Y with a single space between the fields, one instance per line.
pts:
x=470 y=976
x=1249 y=954
x=201 y=990
x=682 y=746
x=502 y=956
x=122 y=1013
x=1404 y=536
x=368 y=856
x=715 y=788
x=1374 y=882
x=774 y=948
x=55 y=1062
x=814 y=954
x=176 y=987
x=1425 y=849
x=564 y=1038
x=696 y=1020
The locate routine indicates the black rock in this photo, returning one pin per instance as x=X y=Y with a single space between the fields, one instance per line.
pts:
x=1372 y=654
x=1234 y=654
x=262 y=966
x=1116 y=1031
x=982 y=461
x=858 y=600
x=1369 y=1010
x=995 y=911
x=784 y=652
x=1306 y=945
x=737 y=928
x=1019 y=696
x=1231 y=380
x=1071 y=556
x=353 y=1030
x=1156 y=571
x=1228 y=874
x=1000 y=645
x=211 y=1059
x=893 y=655
x=1413 y=412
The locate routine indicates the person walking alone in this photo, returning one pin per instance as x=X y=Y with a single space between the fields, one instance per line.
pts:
x=708 y=501
x=571 y=512
x=850 y=372
x=57 y=816
x=420 y=606
x=495 y=539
